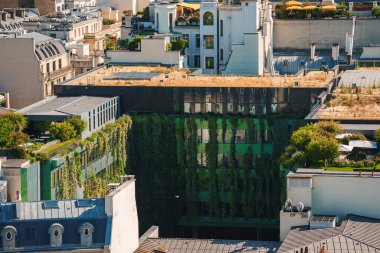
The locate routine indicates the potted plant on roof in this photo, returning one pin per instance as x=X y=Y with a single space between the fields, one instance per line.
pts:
x=194 y=20
x=181 y=20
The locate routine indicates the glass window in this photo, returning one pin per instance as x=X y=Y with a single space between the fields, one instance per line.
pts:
x=209 y=62
x=221 y=54
x=208 y=18
x=221 y=28
x=187 y=107
x=219 y=107
x=252 y=109
x=197 y=107
x=208 y=107
x=274 y=108
x=240 y=136
x=230 y=107
x=186 y=37
x=241 y=108
x=197 y=61
x=198 y=40
x=208 y=41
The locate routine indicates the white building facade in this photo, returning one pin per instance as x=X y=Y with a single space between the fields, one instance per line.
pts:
x=230 y=38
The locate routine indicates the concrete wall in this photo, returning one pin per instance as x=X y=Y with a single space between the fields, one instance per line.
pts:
x=298 y=34
x=152 y=51
x=121 y=206
x=120 y=5
x=344 y=195
x=20 y=72
x=292 y=219
x=299 y=190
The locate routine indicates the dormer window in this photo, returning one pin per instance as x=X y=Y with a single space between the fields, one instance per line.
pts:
x=56 y=231
x=9 y=234
x=85 y=231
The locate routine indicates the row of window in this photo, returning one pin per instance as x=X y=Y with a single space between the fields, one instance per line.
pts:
x=241 y=136
x=52 y=66
x=230 y=108
x=102 y=114
x=80 y=31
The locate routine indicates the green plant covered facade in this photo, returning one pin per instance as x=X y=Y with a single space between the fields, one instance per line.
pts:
x=214 y=171
x=102 y=154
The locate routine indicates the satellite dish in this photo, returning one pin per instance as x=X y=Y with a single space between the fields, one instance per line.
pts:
x=300 y=206
x=288 y=204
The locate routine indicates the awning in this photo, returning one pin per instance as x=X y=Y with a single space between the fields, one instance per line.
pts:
x=190 y=6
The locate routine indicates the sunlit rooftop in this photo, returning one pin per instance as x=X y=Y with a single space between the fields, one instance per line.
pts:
x=171 y=77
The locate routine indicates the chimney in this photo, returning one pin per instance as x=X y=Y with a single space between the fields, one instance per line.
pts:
x=312 y=51
x=7 y=100
x=13 y=14
x=306 y=249
x=335 y=52
x=20 y=13
x=4 y=16
x=301 y=250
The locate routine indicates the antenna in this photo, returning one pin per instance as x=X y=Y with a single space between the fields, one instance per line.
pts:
x=288 y=204
x=300 y=206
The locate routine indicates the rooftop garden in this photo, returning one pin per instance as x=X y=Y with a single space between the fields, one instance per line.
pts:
x=187 y=16
x=298 y=10
x=323 y=145
x=108 y=21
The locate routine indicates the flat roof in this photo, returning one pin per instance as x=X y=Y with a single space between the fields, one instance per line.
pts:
x=303 y=173
x=347 y=104
x=63 y=106
x=14 y=163
x=367 y=78
x=183 y=78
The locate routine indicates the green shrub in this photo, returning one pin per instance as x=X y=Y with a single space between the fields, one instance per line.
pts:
x=11 y=130
x=356 y=156
x=63 y=131
x=376 y=11
x=108 y=21
x=78 y=124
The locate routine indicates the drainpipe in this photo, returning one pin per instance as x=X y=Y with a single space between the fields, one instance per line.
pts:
x=217 y=40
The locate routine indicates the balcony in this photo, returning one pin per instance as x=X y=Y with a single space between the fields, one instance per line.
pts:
x=59 y=72
x=97 y=35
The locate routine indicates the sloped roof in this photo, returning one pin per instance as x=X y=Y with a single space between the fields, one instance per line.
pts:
x=356 y=234
x=345 y=148
x=206 y=245
x=363 y=144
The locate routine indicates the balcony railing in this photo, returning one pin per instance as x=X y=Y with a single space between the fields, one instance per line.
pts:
x=59 y=72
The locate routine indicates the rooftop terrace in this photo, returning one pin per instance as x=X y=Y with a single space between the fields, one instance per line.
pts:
x=347 y=104
x=164 y=77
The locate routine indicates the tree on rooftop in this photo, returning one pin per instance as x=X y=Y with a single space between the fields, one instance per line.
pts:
x=78 y=124
x=11 y=130
x=376 y=135
x=62 y=130
x=312 y=143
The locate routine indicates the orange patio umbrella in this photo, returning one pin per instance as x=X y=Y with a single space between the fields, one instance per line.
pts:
x=328 y=8
x=294 y=8
x=309 y=7
x=293 y=3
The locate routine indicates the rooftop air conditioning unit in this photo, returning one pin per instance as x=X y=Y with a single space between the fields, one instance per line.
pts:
x=112 y=186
